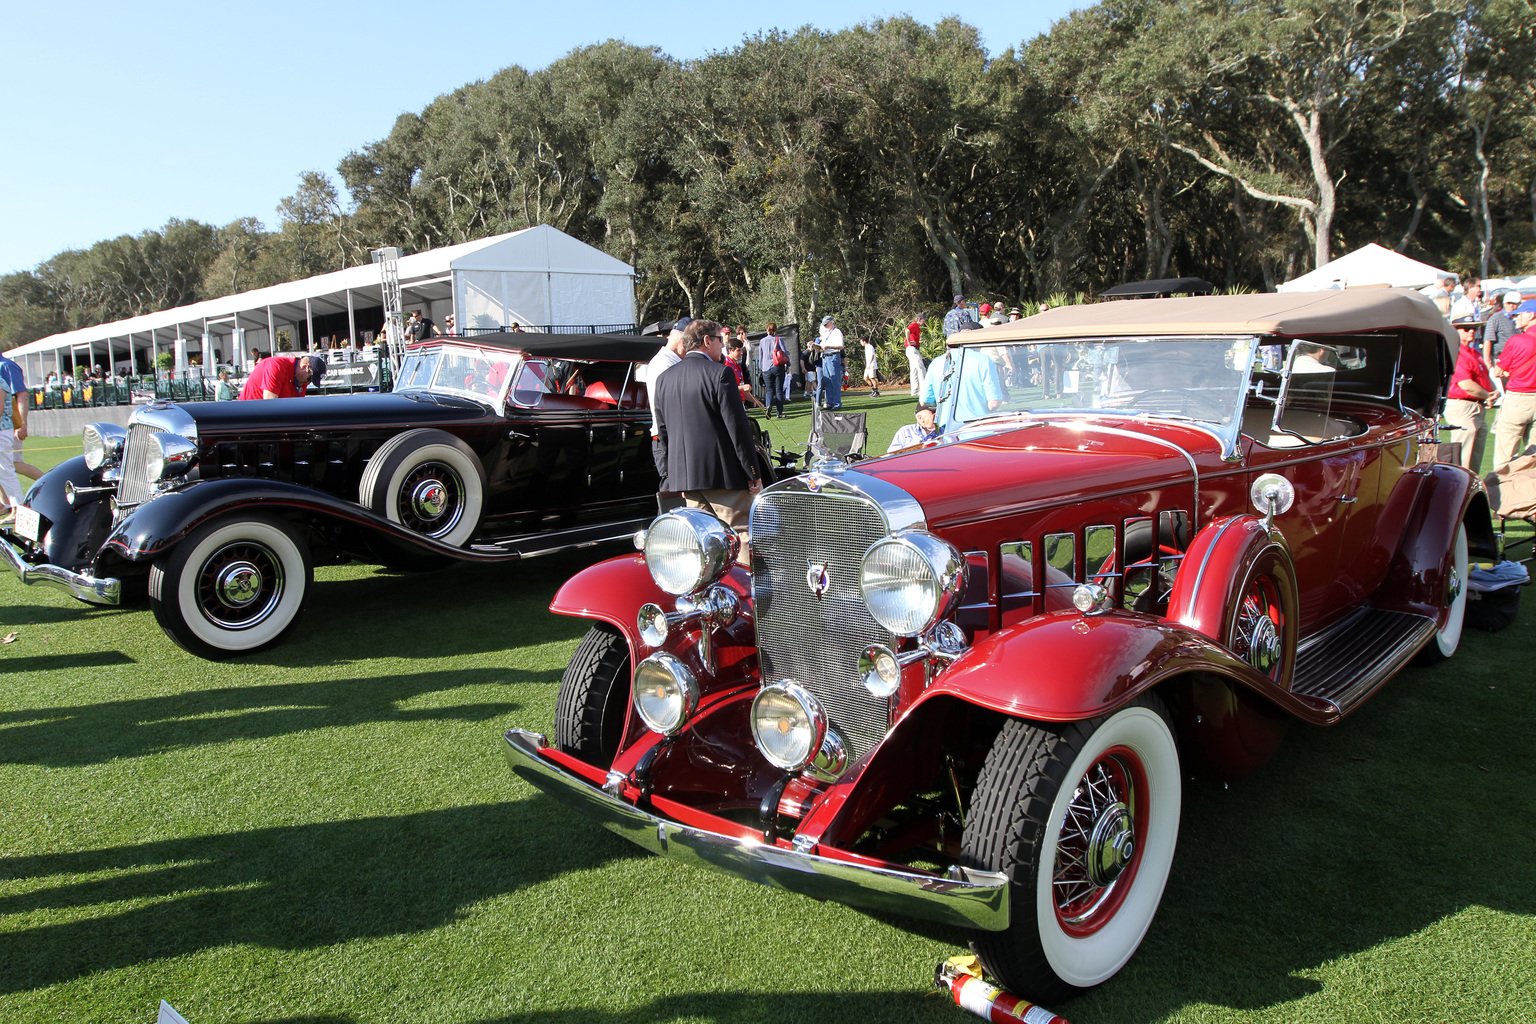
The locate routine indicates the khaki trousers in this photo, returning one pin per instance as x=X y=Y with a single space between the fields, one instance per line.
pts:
x=733 y=508
x=1516 y=414
x=1471 y=432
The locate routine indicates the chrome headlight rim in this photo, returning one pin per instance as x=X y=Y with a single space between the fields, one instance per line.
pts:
x=688 y=550
x=169 y=456
x=815 y=721
x=895 y=564
x=102 y=445
x=667 y=671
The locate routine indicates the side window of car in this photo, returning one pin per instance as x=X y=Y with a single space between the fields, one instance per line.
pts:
x=529 y=389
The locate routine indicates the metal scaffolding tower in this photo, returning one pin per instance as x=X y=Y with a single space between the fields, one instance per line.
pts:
x=388 y=259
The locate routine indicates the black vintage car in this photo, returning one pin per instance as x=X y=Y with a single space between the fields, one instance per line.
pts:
x=490 y=448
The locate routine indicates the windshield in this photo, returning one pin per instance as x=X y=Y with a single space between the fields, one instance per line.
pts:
x=479 y=373
x=1201 y=379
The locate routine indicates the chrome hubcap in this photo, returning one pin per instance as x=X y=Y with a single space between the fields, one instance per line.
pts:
x=429 y=499
x=238 y=584
x=1453 y=585
x=1111 y=844
x=1264 y=644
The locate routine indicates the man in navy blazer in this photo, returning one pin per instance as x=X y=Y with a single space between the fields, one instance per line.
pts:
x=706 y=440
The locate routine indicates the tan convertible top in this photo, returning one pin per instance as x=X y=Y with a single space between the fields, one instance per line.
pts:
x=1292 y=315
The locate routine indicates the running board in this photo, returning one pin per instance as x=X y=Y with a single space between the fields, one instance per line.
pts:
x=556 y=541
x=1343 y=664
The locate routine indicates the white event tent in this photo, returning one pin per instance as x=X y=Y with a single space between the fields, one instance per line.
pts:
x=537 y=277
x=1370 y=264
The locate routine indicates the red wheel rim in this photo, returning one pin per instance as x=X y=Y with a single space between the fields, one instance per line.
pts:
x=1258 y=628
x=1109 y=808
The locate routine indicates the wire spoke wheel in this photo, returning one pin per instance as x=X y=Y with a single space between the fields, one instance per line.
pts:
x=1258 y=629
x=1100 y=844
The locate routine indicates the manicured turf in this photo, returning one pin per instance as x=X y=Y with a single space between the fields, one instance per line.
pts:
x=328 y=833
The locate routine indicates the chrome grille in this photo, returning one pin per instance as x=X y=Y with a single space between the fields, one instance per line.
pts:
x=817 y=642
x=133 y=487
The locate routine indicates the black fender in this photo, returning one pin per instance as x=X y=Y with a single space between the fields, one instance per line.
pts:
x=75 y=532
x=160 y=523
x=1448 y=498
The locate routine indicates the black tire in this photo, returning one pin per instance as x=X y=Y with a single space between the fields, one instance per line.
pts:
x=594 y=697
x=428 y=481
x=233 y=586
x=1029 y=811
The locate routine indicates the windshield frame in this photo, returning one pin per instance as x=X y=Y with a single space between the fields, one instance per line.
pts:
x=438 y=377
x=1226 y=434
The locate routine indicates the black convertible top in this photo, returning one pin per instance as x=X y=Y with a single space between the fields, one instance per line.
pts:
x=630 y=347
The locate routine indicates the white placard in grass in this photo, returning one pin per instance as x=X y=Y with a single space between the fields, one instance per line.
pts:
x=168 y=1015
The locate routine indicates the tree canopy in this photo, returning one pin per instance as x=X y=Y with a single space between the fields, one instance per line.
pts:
x=879 y=169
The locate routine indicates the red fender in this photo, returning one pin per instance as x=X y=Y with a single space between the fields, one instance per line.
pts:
x=1416 y=579
x=1066 y=667
x=1227 y=559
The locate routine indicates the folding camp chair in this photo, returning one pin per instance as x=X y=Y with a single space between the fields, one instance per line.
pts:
x=835 y=434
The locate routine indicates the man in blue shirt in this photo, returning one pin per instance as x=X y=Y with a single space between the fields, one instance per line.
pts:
x=957 y=317
x=15 y=431
x=963 y=386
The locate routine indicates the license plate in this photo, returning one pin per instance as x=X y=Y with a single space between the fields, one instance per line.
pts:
x=28 y=524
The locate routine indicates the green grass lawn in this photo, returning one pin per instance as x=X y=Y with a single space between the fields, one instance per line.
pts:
x=328 y=832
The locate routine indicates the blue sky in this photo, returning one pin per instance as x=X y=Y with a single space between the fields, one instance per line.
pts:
x=122 y=116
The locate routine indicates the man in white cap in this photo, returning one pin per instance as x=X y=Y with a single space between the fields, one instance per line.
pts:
x=1501 y=325
x=831 y=342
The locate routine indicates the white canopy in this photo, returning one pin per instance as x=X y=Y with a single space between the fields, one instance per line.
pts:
x=1368 y=265
x=538 y=277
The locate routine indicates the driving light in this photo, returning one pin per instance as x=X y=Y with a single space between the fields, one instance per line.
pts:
x=665 y=693
x=911 y=580
x=169 y=455
x=687 y=549
x=102 y=444
x=879 y=670
x=788 y=725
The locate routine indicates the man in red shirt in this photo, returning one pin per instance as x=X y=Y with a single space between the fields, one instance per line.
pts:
x=1467 y=396
x=283 y=377
x=1517 y=365
x=915 y=356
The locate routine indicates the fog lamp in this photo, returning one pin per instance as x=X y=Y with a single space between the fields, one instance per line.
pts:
x=665 y=693
x=787 y=724
x=879 y=670
x=653 y=625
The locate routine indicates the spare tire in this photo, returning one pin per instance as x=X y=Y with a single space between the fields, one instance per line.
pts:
x=428 y=481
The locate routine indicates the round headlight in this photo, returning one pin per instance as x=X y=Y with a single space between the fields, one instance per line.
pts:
x=665 y=693
x=910 y=581
x=169 y=455
x=788 y=725
x=880 y=671
x=102 y=444
x=687 y=549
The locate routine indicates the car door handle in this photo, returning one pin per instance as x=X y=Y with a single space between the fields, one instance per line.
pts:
x=1346 y=499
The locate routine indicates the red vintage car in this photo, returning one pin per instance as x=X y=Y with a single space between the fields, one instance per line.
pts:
x=964 y=682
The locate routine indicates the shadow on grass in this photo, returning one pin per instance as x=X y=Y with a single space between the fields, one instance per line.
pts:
x=22 y=615
x=745 y=1007
x=53 y=662
x=96 y=733
x=296 y=887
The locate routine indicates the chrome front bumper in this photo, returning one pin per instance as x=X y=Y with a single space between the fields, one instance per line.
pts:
x=964 y=898
x=82 y=585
